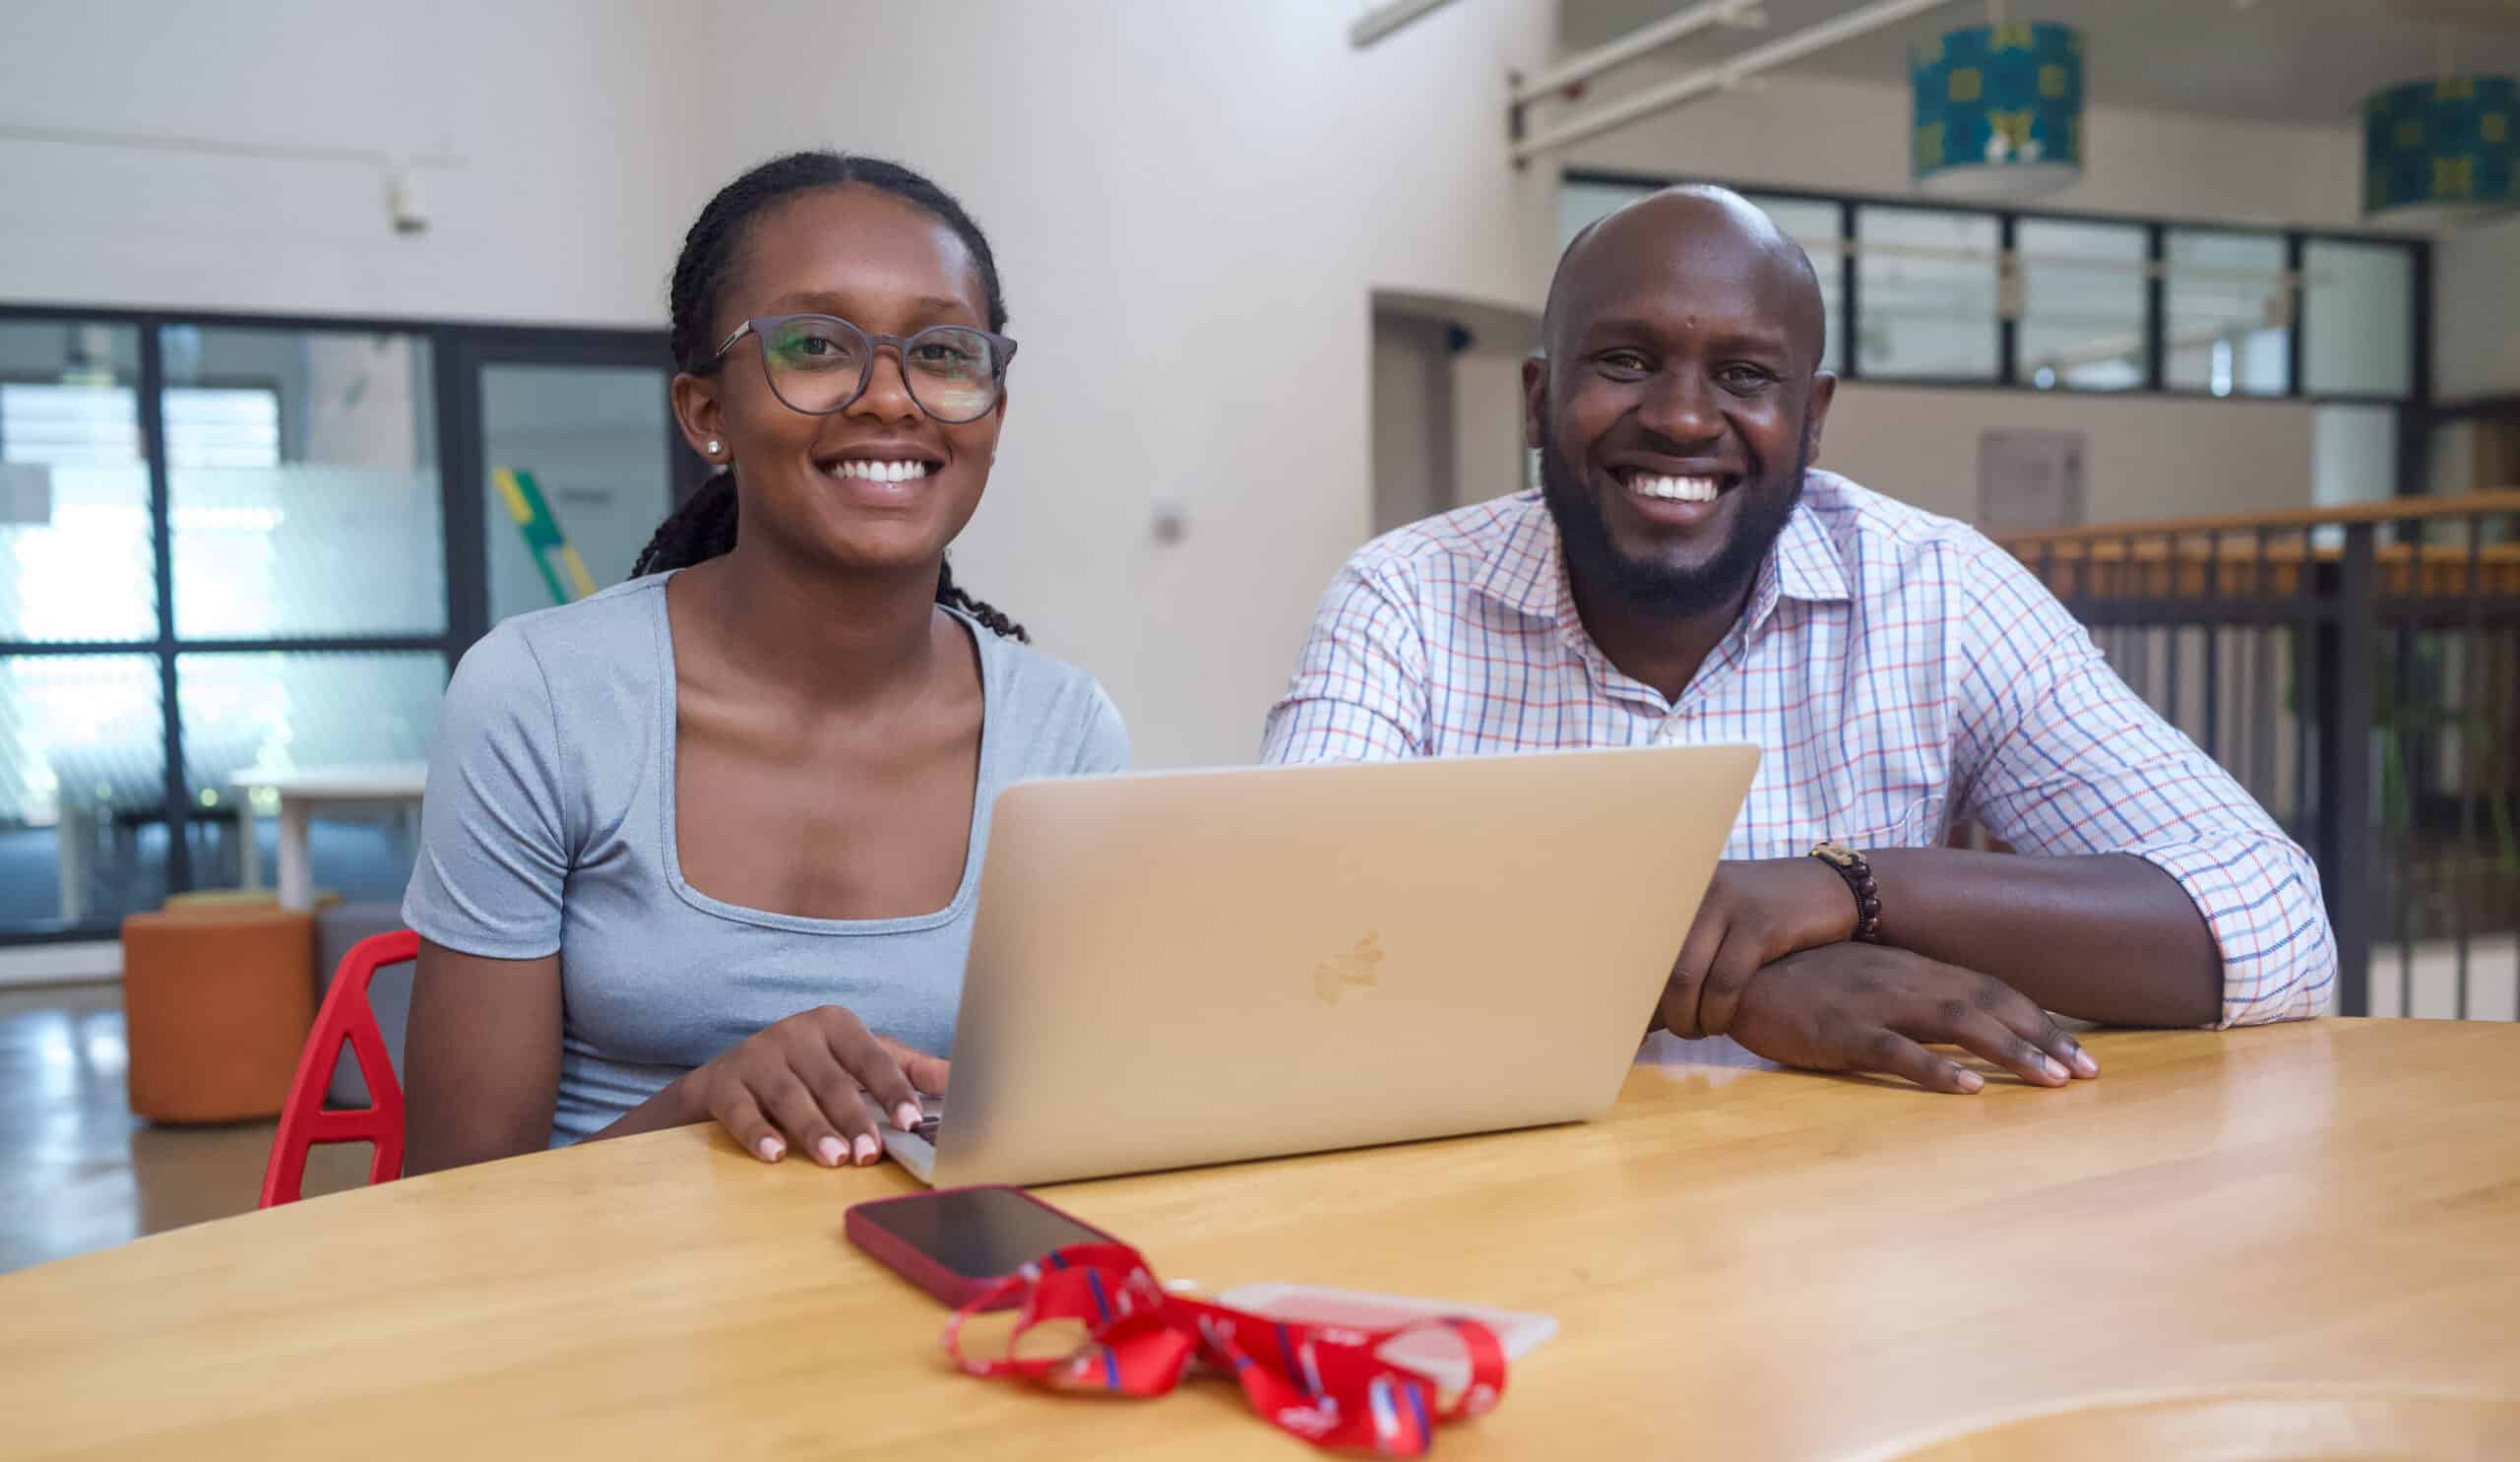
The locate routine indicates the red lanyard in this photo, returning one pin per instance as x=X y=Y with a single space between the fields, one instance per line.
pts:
x=1322 y=1383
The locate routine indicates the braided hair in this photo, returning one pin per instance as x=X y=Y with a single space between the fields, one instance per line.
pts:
x=705 y=527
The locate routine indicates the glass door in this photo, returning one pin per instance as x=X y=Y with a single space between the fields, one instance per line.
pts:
x=573 y=456
x=574 y=480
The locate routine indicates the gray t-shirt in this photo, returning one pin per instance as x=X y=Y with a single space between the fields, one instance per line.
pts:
x=549 y=826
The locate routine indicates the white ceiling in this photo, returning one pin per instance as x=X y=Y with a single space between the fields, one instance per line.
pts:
x=2303 y=61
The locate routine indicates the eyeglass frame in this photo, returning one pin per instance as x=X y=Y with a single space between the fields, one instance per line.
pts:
x=1003 y=348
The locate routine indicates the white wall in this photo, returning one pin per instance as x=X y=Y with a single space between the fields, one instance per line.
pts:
x=1193 y=205
x=579 y=139
x=1836 y=135
x=2146 y=458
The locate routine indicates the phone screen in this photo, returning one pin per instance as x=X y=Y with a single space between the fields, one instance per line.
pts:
x=978 y=1233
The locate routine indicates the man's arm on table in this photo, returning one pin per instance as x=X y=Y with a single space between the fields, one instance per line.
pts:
x=2152 y=890
x=2066 y=760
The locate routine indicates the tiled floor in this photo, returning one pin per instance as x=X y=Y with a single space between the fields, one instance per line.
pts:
x=77 y=1171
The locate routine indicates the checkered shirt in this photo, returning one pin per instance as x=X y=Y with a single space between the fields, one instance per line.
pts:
x=1898 y=671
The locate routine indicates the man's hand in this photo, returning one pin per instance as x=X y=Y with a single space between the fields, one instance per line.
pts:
x=1863 y=1007
x=1754 y=914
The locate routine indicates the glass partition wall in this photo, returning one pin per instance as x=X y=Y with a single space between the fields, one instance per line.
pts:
x=233 y=548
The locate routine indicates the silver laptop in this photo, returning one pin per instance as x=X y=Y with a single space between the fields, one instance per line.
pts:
x=1173 y=969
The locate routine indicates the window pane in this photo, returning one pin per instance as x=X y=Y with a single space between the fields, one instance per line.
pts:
x=579 y=477
x=2082 y=323
x=304 y=474
x=82 y=759
x=2226 y=309
x=254 y=713
x=2358 y=327
x=1814 y=226
x=1925 y=302
x=223 y=426
x=75 y=557
x=1580 y=205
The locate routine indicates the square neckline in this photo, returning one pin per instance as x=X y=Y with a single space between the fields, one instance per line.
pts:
x=668 y=743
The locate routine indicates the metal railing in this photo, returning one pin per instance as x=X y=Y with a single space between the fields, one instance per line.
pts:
x=2357 y=669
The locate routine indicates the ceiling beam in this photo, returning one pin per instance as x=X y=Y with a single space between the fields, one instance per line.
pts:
x=1386 y=18
x=1721 y=76
x=1637 y=42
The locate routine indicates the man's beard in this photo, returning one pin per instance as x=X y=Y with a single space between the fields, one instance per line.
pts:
x=1653 y=588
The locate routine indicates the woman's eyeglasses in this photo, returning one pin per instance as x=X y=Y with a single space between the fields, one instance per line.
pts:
x=818 y=364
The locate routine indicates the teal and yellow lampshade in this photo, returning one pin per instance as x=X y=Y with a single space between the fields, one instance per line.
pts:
x=1999 y=110
x=2441 y=151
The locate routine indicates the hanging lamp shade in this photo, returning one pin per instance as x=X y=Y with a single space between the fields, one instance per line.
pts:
x=1998 y=110
x=2440 y=151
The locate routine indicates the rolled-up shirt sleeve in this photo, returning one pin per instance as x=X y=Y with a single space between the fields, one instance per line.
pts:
x=1359 y=691
x=2055 y=755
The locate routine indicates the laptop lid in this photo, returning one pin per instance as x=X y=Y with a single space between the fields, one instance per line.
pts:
x=1173 y=969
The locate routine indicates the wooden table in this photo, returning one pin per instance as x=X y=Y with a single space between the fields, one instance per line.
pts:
x=2294 y=1237
x=300 y=793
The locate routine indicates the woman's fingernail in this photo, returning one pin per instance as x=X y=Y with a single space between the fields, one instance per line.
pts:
x=2057 y=1069
x=831 y=1150
x=2084 y=1063
x=1971 y=1081
x=868 y=1147
x=771 y=1149
x=907 y=1114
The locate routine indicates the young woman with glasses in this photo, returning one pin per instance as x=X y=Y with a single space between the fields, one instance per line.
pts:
x=706 y=846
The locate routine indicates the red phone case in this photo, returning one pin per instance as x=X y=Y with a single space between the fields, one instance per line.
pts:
x=905 y=1258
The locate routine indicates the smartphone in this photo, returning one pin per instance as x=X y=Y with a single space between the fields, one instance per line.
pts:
x=955 y=1242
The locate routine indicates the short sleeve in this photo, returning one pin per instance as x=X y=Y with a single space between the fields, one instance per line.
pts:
x=1102 y=746
x=493 y=855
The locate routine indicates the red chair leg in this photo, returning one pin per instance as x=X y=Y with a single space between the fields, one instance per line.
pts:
x=304 y=1123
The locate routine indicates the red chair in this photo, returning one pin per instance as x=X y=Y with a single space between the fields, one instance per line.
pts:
x=305 y=1123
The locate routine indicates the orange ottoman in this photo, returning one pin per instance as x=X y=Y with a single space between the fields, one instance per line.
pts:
x=216 y=1004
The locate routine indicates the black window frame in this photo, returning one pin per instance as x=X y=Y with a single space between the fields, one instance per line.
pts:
x=456 y=350
x=2416 y=403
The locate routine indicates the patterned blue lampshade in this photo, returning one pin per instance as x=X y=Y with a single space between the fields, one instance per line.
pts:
x=2441 y=151
x=1998 y=110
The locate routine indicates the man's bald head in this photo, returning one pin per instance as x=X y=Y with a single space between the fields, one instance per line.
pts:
x=1679 y=402
x=1674 y=225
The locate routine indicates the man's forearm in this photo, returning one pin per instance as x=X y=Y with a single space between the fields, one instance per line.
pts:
x=2108 y=938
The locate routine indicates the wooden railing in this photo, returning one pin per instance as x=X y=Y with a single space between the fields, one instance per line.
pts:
x=2358 y=671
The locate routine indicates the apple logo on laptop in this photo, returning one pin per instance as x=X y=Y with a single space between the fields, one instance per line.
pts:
x=1357 y=969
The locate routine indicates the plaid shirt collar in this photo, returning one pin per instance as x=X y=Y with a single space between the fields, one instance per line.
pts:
x=1525 y=573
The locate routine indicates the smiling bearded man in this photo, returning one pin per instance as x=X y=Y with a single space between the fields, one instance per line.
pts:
x=1686 y=576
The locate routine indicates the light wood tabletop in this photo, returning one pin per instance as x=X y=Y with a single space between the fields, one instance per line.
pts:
x=2299 y=1241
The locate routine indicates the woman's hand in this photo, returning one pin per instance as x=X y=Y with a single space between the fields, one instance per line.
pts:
x=1754 y=914
x=1863 y=1007
x=803 y=1083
